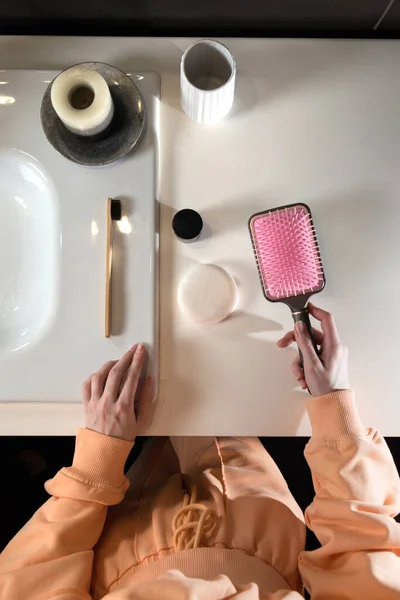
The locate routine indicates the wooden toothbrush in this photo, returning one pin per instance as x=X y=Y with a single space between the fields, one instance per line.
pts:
x=114 y=213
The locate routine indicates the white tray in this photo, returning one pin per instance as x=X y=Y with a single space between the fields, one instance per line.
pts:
x=52 y=249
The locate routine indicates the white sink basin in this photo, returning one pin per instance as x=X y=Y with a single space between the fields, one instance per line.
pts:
x=53 y=221
x=30 y=247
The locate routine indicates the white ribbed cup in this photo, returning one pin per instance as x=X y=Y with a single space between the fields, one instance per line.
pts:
x=208 y=73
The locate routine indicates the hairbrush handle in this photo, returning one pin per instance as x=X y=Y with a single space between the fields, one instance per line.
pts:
x=304 y=317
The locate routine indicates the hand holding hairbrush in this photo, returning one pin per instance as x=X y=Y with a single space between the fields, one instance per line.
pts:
x=324 y=373
x=288 y=258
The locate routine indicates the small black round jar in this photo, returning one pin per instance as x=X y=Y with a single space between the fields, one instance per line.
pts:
x=187 y=225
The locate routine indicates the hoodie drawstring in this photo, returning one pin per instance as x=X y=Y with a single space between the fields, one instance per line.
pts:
x=194 y=524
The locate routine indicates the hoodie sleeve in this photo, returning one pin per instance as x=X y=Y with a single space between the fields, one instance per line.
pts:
x=52 y=554
x=357 y=496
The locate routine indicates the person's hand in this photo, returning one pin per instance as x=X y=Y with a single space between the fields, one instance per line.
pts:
x=326 y=372
x=109 y=397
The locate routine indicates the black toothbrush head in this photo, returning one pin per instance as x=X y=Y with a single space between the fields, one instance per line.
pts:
x=116 y=209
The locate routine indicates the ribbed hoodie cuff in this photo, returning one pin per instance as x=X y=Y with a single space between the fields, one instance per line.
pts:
x=334 y=417
x=100 y=458
x=97 y=471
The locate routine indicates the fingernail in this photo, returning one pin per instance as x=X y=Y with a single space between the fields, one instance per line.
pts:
x=299 y=326
x=140 y=349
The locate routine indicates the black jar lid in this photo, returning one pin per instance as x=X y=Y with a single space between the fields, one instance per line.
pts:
x=187 y=224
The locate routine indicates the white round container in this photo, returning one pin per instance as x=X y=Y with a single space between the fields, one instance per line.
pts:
x=82 y=100
x=207 y=294
x=208 y=73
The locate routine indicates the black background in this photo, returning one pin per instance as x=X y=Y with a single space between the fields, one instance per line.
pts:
x=320 y=18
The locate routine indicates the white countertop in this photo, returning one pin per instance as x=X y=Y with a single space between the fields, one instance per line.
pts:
x=315 y=122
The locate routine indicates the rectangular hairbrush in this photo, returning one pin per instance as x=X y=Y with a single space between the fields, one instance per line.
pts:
x=288 y=258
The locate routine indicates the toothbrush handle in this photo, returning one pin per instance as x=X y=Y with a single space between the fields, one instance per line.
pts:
x=107 y=315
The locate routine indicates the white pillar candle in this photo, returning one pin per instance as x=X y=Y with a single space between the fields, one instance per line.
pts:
x=82 y=100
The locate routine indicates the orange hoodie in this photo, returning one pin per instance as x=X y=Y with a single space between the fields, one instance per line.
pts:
x=357 y=496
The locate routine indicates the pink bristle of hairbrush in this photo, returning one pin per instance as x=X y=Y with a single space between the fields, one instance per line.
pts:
x=287 y=252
